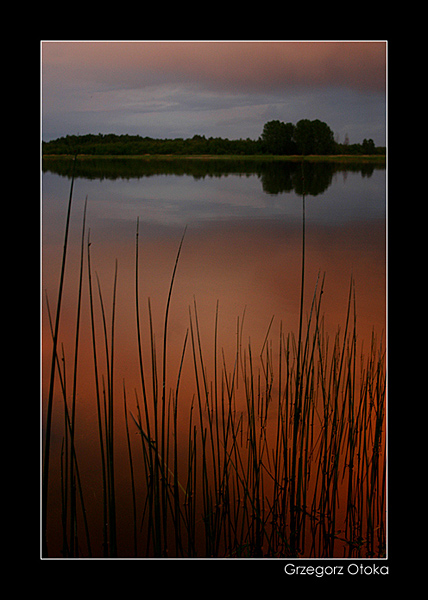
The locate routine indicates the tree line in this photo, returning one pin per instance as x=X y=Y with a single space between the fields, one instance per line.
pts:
x=277 y=138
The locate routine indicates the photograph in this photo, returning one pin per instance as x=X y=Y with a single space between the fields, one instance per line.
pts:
x=213 y=303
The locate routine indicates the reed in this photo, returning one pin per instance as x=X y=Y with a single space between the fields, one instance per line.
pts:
x=47 y=438
x=284 y=451
x=105 y=409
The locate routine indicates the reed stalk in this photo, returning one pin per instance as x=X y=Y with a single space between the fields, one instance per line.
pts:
x=99 y=406
x=131 y=466
x=298 y=391
x=108 y=406
x=47 y=440
x=73 y=521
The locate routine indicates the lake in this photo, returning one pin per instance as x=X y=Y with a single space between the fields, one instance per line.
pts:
x=224 y=405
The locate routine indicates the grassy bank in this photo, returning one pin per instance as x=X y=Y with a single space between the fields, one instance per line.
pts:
x=332 y=158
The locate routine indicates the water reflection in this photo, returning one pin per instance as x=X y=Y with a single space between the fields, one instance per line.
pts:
x=276 y=177
x=242 y=254
x=179 y=193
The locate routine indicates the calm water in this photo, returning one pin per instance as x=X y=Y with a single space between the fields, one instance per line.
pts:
x=242 y=252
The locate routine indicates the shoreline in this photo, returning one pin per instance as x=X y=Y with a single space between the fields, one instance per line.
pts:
x=335 y=158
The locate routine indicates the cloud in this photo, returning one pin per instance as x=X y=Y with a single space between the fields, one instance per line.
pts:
x=234 y=66
x=227 y=89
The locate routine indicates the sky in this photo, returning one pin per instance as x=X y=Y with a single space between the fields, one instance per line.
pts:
x=229 y=89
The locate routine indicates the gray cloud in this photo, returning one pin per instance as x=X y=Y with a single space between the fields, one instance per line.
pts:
x=218 y=89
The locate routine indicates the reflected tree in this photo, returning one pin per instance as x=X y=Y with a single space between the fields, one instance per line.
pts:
x=277 y=177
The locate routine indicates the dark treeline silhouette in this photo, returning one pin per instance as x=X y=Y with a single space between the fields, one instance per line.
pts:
x=277 y=138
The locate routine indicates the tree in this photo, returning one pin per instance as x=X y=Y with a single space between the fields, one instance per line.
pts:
x=368 y=146
x=277 y=138
x=303 y=136
x=314 y=137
